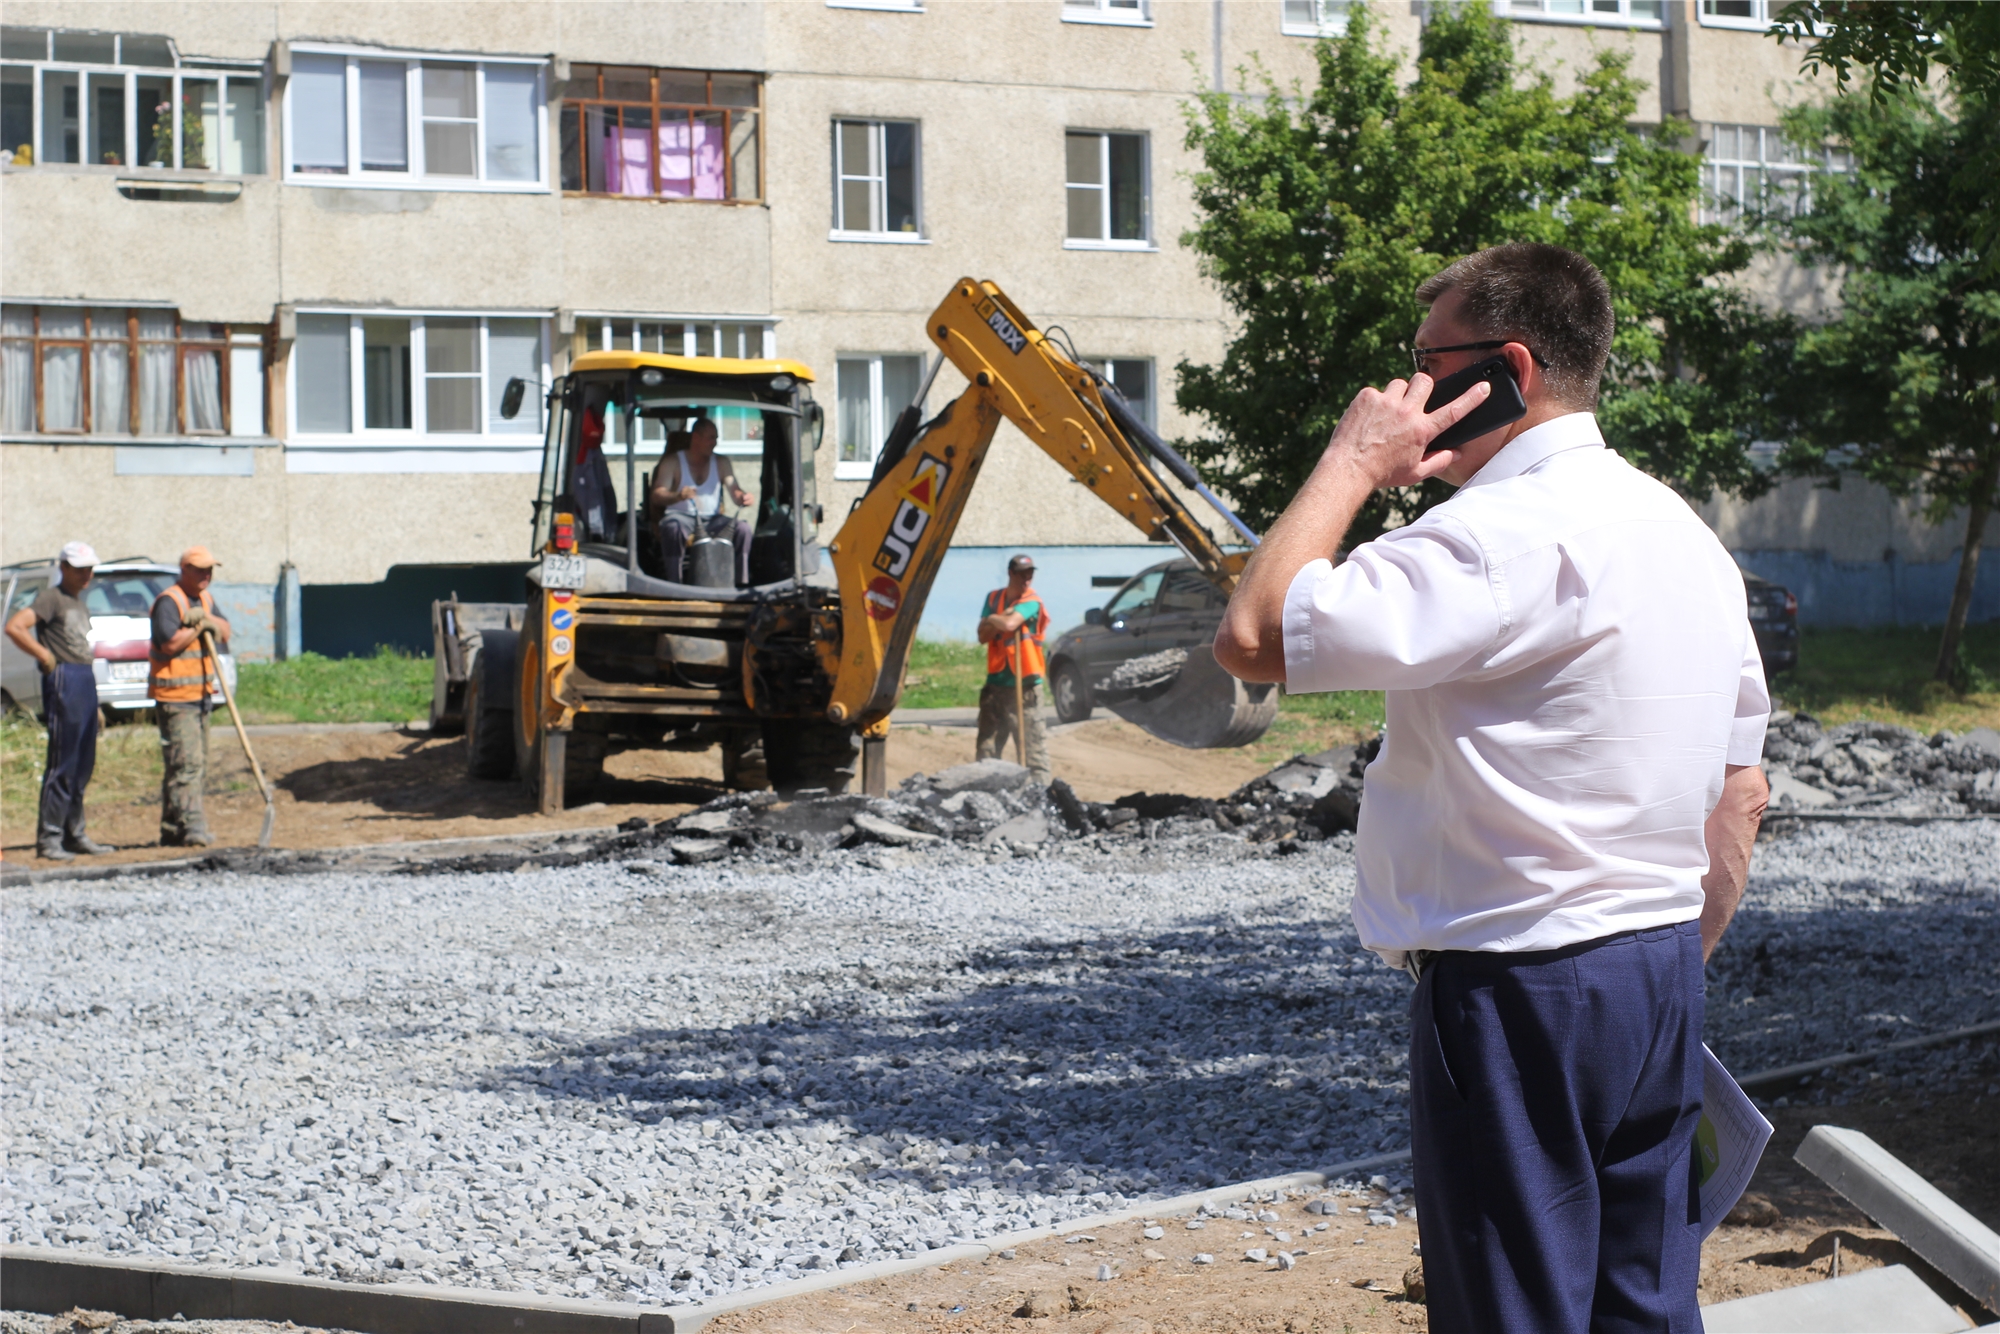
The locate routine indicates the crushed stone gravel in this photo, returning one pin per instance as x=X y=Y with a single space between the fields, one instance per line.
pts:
x=640 y=1080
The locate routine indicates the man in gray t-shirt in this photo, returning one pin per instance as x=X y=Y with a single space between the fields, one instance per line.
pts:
x=54 y=630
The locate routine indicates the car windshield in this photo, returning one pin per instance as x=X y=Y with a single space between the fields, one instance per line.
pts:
x=125 y=592
x=1136 y=598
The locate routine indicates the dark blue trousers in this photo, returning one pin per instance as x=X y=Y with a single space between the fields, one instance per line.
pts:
x=69 y=710
x=1554 y=1096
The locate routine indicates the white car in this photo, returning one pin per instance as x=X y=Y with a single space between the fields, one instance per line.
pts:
x=120 y=599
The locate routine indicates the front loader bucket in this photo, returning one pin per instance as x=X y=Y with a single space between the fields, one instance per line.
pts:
x=1205 y=708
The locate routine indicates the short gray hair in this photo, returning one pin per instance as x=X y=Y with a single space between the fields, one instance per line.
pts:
x=1551 y=299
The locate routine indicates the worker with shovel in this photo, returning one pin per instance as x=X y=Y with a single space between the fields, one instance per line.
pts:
x=184 y=676
x=1011 y=625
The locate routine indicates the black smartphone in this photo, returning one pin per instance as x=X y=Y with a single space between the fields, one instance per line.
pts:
x=1502 y=406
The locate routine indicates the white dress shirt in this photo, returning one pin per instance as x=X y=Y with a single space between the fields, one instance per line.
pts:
x=1569 y=665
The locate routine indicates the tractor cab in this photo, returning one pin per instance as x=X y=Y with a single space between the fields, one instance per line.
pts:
x=616 y=416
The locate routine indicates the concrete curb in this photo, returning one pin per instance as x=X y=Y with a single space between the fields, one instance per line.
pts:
x=10 y=878
x=1785 y=1076
x=1876 y=1182
x=47 y=1281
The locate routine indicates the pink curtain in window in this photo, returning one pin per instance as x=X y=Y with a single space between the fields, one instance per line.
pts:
x=691 y=159
x=625 y=168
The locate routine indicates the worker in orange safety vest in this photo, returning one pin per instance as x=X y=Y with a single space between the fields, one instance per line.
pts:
x=1011 y=625
x=182 y=682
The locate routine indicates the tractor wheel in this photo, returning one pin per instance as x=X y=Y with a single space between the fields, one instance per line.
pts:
x=811 y=754
x=489 y=708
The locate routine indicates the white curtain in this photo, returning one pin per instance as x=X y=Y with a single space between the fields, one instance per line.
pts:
x=204 y=390
x=17 y=385
x=110 y=389
x=62 y=388
x=17 y=369
x=156 y=389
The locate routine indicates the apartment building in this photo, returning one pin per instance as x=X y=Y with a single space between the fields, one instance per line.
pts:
x=266 y=266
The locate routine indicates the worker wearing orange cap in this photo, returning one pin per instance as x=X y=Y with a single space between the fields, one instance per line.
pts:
x=182 y=683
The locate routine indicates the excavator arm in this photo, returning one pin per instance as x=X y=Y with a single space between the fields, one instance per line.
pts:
x=888 y=551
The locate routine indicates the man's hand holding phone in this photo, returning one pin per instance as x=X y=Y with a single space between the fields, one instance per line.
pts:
x=1382 y=437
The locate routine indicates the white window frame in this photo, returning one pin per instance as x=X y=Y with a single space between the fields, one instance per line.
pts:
x=1106 y=12
x=1145 y=242
x=1623 y=17
x=701 y=336
x=415 y=178
x=373 y=449
x=879 y=174
x=882 y=415
x=223 y=73
x=1331 y=20
x=1760 y=20
x=1776 y=160
x=1149 y=411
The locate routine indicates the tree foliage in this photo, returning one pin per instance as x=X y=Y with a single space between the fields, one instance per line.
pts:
x=1897 y=46
x=1900 y=385
x=1322 y=209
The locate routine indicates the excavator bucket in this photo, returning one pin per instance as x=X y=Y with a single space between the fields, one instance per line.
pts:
x=1201 y=707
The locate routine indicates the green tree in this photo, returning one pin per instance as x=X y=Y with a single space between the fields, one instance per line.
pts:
x=1321 y=210
x=1900 y=385
x=1897 y=45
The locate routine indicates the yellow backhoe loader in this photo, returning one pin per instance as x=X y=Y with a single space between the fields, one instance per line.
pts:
x=793 y=674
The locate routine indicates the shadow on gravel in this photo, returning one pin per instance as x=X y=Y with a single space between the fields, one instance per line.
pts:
x=1196 y=1056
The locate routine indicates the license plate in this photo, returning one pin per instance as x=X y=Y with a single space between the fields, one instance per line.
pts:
x=562 y=571
x=1760 y=613
x=128 y=671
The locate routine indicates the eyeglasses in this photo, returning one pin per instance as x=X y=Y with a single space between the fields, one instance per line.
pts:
x=1418 y=354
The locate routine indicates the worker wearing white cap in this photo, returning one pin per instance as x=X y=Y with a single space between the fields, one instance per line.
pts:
x=54 y=630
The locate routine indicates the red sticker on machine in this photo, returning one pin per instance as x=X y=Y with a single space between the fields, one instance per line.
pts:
x=884 y=596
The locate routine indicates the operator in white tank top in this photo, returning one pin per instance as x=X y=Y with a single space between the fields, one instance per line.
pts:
x=686 y=492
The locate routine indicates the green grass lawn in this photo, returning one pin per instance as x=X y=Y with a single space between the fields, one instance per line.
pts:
x=1885 y=675
x=390 y=687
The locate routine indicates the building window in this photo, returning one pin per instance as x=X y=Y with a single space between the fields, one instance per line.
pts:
x=1108 y=196
x=1751 y=169
x=125 y=100
x=1752 y=14
x=414 y=375
x=1609 y=13
x=116 y=371
x=877 y=181
x=738 y=430
x=1133 y=13
x=873 y=388
x=399 y=120
x=1315 y=18
x=1133 y=377
x=662 y=133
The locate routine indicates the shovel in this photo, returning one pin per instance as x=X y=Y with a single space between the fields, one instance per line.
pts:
x=263 y=784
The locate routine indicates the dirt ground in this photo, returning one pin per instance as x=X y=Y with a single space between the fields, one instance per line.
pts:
x=1341 y=1287
x=343 y=788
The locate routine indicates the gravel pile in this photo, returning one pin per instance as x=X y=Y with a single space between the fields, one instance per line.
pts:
x=665 y=1075
x=1880 y=768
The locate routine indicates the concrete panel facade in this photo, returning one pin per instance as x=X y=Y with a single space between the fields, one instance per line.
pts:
x=993 y=84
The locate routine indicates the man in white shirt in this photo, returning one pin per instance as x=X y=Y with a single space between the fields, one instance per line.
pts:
x=1559 y=824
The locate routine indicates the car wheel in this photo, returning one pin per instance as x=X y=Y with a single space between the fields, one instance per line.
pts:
x=1071 y=693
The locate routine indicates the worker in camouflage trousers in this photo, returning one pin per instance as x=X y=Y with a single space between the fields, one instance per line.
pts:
x=1011 y=625
x=182 y=683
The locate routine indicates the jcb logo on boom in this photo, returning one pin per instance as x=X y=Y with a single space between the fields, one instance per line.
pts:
x=996 y=320
x=913 y=516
